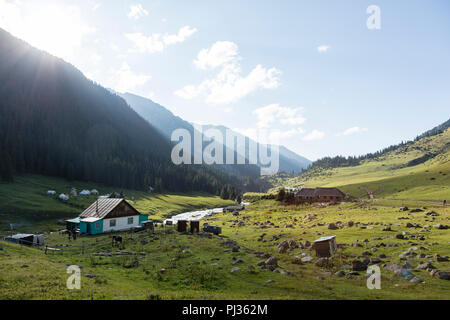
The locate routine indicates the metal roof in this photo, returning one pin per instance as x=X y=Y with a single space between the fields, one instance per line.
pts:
x=74 y=220
x=22 y=235
x=325 y=238
x=90 y=219
x=100 y=208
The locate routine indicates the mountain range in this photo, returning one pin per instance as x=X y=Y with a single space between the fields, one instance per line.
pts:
x=166 y=122
x=54 y=121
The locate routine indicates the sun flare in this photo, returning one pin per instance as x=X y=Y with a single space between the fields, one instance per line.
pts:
x=54 y=28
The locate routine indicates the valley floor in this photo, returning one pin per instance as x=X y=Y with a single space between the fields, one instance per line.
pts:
x=169 y=265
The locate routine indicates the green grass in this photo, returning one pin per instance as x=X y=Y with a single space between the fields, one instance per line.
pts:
x=26 y=204
x=192 y=273
x=388 y=176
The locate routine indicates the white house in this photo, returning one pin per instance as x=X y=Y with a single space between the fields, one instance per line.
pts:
x=107 y=215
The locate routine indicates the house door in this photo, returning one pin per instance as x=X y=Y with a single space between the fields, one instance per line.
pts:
x=88 y=228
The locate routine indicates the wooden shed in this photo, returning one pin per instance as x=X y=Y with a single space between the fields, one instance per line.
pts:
x=325 y=246
x=181 y=225
x=195 y=226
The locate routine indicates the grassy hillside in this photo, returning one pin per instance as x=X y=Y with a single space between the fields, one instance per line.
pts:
x=170 y=265
x=395 y=175
x=26 y=204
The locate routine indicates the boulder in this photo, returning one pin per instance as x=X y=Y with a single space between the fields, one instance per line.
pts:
x=425 y=266
x=322 y=262
x=332 y=226
x=283 y=246
x=340 y=273
x=272 y=261
x=358 y=265
x=444 y=275
x=307 y=259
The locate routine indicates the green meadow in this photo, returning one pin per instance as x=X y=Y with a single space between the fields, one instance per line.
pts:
x=170 y=265
x=25 y=202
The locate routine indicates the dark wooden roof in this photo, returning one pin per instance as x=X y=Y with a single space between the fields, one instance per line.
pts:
x=102 y=207
x=317 y=192
x=335 y=192
x=305 y=192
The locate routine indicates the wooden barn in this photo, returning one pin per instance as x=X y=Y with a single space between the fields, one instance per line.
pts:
x=319 y=195
x=108 y=215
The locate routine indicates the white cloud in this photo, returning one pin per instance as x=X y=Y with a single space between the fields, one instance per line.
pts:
x=220 y=53
x=124 y=80
x=323 y=48
x=137 y=12
x=314 y=135
x=157 y=42
x=273 y=112
x=96 y=58
x=354 y=130
x=182 y=35
x=279 y=135
x=266 y=136
x=229 y=85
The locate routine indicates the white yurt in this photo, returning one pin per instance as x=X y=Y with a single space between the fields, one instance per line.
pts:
x=85 y=193
x=63 y=197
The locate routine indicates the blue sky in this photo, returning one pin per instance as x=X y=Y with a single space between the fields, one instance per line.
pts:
x=308 y=73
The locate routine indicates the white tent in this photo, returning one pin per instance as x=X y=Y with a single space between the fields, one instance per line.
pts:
x=63 y=197
x=95 y=192
x=51 y=192
x=85 y=193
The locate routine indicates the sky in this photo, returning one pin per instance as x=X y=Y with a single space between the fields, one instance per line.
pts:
x=322 y=78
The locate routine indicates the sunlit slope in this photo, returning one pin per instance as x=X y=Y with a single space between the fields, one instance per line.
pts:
x=26 y=204
x=394 y=175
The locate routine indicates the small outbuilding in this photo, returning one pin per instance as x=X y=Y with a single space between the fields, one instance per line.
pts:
x=195 y=226
x=325 y=246
x=181 y=225
x=27 y=239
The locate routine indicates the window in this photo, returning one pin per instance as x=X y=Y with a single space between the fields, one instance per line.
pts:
x=112 y=222
x=130 y=220
x=97 y=225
